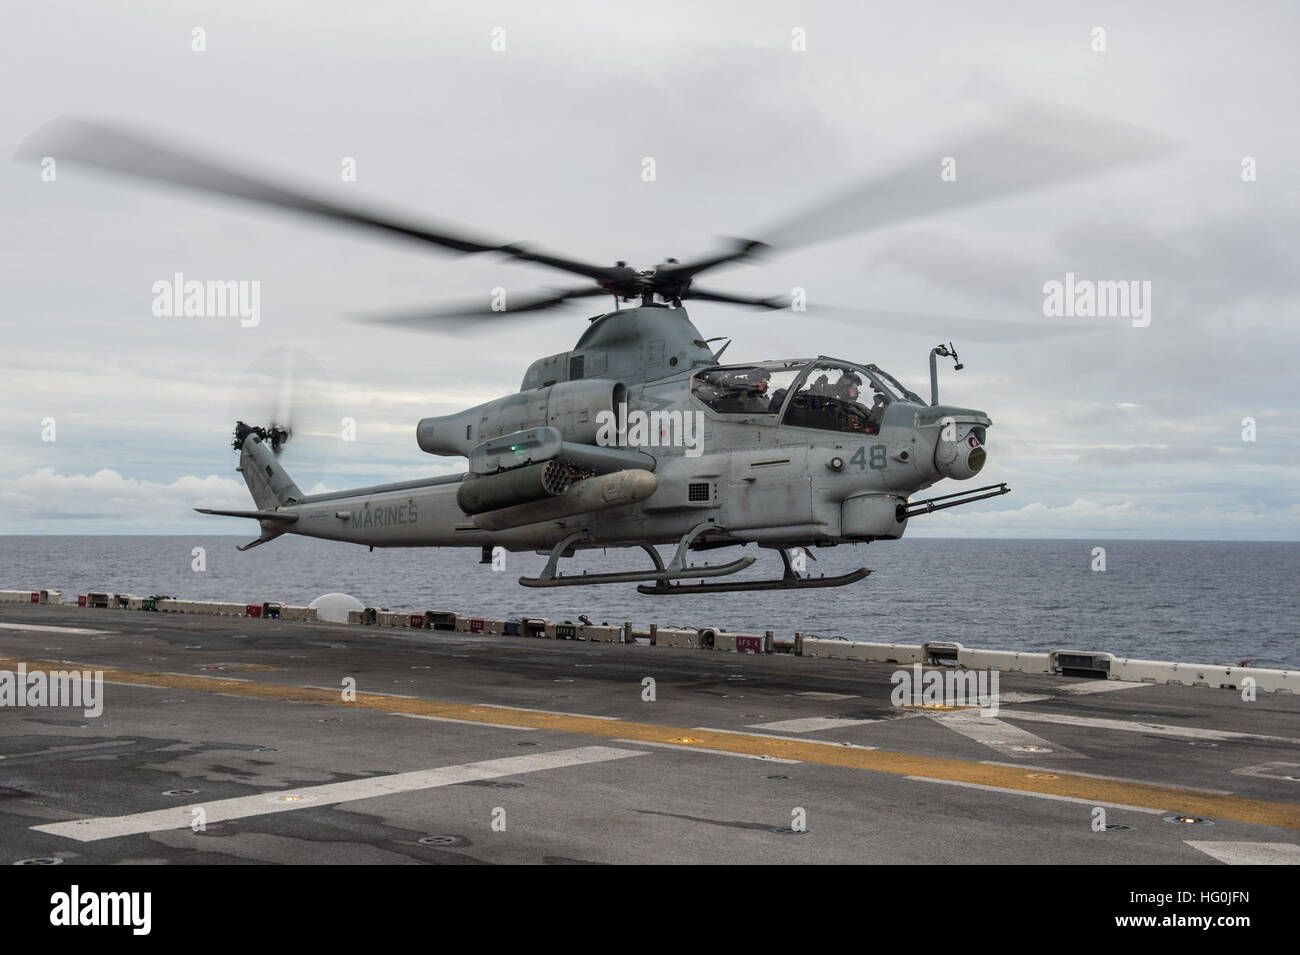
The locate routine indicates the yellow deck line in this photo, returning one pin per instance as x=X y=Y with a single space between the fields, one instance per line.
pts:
x=1148 y=795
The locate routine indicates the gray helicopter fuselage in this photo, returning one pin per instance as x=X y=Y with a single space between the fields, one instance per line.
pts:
x=795 y=469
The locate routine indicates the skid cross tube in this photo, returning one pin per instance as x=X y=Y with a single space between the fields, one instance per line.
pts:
x=677 y=568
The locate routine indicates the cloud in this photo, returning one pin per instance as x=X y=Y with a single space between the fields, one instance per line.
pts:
x=1151 y=454
x=1130 y=518
x=46 y=499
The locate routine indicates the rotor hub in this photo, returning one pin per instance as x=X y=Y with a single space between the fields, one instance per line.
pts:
x=273 y=435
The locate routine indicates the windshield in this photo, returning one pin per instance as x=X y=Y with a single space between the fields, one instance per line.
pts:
x=906 y=393
x=835 y=396
x=747 y=389
x=831 y=395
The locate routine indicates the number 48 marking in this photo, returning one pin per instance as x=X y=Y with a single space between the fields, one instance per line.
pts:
x=877 y=461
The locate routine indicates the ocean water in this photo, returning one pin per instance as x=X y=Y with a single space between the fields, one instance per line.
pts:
x=1192 y=601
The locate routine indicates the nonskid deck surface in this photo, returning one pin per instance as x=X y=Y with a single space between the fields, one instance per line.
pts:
x=504 y=749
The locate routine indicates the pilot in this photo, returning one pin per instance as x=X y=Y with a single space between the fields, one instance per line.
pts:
x=877 y=413
x=755 y=400
x=848 y=387
x=730 y=394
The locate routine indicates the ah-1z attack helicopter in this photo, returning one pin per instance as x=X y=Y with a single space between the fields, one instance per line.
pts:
x=637 y=435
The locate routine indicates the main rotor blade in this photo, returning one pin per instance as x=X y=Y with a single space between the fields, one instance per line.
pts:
x=440 y=319
x=946 y=327
x=1038 y=144
x=121 y=150
x=740 y=249
x=959 y=327
x=729 y=299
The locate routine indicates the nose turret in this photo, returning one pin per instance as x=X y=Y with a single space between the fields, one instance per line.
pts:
x=959 y=442
x=961 y=458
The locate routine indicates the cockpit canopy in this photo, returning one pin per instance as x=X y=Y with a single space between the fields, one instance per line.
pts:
x=822 y=393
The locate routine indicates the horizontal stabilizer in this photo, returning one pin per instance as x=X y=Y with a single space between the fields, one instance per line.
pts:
x=255 y=515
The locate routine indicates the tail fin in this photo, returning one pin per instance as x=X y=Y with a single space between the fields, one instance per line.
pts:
x=267 y=481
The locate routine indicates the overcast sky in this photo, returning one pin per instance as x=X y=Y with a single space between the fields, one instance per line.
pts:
x=1131 y=432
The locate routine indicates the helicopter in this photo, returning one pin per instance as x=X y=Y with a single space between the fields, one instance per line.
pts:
x=639 y=435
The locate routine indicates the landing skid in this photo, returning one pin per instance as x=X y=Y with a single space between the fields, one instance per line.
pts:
x=677 y=568
x=661 y=577
x=800 y=583
x=790 y=580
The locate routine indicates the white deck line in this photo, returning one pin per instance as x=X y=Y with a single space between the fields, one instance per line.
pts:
x=48 y=629
x=1024 y=792
x=1000 y=737
x=811 y=724
x=687 y=748
x=1131 y=726
x=1249 y=853
x=287 y=800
